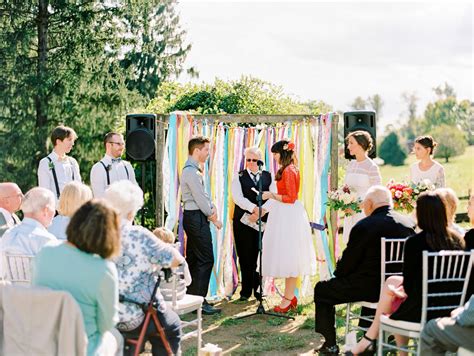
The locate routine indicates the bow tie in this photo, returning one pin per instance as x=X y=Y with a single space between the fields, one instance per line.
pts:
x=116 y=160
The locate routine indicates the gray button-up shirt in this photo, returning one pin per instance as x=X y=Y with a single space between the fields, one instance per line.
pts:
x=193 y=194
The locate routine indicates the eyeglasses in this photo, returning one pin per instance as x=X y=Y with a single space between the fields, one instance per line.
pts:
x=251 y=160
x=117 y=143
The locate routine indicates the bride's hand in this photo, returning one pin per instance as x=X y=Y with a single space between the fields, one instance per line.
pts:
x=267 y=195
x=349 y=212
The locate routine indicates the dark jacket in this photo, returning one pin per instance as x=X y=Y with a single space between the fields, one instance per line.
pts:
x=360 y=262
x=410 y=309
x=247 y=183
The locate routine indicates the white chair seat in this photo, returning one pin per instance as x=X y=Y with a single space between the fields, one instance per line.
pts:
x=400 y=324
x=187 y=304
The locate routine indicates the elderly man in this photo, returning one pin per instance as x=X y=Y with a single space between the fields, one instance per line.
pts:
x=10 y=202
x=357 y=275
x=111 y=168
x=246 y=238
x=31 y=235
x=142 y=255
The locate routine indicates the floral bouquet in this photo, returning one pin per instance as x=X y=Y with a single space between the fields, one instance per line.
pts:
x=343 y=199
x=402 y=195
x=420 y=187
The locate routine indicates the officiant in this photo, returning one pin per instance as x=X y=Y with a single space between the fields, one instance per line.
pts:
x=244 y=195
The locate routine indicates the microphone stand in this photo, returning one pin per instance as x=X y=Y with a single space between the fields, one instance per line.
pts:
x=261 y=309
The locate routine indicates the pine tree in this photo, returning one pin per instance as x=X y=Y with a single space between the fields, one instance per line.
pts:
x=390 y=150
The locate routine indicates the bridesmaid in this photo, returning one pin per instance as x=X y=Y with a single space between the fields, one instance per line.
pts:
x=361 y=174
x=426 y=167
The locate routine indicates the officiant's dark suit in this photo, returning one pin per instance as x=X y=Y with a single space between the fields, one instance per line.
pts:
x=245 y=237
x=357 y=274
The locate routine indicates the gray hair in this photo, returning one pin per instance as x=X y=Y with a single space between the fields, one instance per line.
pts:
x=255 y=150
x=37 y=199
x=125 y=197
x=379 y=195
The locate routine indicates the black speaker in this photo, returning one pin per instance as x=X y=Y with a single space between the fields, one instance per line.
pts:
x=140 y=137
x=360 y=120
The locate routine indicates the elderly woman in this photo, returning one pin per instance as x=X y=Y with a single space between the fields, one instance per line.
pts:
x=81 y=266
x=451 y=203
x=142 y=256
x=246 y=237
x=73 y=196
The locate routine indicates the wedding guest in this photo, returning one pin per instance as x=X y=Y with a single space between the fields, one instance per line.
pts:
x=451 y=203
x=244 y=186
x=426 y=167
x=449 y=333
x=82 y=267
x=57 y=169
x=111 y=168
x=401 y=296
x=288 y=250
x=141 y=258
x=357 y=274
x=28 y=237
x=10 y=202
x=469 y=236
x=198 y=212
x=361 y=174
x=73 y=196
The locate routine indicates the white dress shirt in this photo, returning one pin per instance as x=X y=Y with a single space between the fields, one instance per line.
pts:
x=118 y=170
x=238 y=196
x=26 y=238
x=9 y=221
x=58 y=227
x=65 y=170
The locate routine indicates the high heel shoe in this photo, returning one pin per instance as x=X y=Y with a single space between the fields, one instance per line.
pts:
x=369 y=350
x=293 y=304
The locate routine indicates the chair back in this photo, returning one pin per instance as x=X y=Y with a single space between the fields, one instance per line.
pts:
x=17 y=268
x=391 y=254
x=446 y=277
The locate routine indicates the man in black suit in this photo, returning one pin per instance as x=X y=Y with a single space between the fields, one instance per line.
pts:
x=244 y=186
x=357 y=275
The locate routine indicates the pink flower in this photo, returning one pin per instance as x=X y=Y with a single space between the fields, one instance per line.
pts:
x=398 y=194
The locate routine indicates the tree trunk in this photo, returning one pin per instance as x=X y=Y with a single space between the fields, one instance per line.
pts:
x=41 y=79
x=41 y=66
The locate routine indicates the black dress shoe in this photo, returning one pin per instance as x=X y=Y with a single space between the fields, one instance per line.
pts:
x=328 y=351
x=208 y=309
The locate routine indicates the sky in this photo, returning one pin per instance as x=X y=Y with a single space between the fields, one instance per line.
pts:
x=336 y=51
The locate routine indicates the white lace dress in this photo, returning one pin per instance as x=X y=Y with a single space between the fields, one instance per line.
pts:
x=360 y=176
x=435 y=174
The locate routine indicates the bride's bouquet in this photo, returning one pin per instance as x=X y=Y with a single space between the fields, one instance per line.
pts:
x=402 y=196
x=343 y=199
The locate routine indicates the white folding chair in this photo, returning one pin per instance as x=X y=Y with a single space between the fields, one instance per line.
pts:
x=391 y=255
x=17 y=268
x=187 y=304
x=451 y=268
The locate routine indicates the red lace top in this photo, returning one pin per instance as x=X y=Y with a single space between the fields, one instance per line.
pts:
x=289 y=184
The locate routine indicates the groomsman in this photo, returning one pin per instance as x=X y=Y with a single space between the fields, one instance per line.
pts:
x=198 y=211
x=10 y=202
x=57 y=169
x=111 y=168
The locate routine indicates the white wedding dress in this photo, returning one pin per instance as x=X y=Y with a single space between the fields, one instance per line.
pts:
x=360 y=176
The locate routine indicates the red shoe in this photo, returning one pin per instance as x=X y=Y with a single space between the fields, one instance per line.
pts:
x=291 y=306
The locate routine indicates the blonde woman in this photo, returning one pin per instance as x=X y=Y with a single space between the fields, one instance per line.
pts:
x=451 y=203
x=74 y=195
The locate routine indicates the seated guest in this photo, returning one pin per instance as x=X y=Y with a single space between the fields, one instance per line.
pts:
x=73 y=196
x=357 y=275
x=451 y=203
x=28 y=237
x=449 y=333
x=469 y=237
x=401 y=295
x=81 y=267
x=142 y=256
x=10 y=202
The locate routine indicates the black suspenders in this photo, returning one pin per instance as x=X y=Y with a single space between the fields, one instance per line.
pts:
x=108 y=174
x=55 y=177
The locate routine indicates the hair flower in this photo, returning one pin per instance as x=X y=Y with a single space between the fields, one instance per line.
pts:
x=290 y=146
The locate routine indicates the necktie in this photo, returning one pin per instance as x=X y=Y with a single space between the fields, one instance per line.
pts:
x=254 y=177
x=116 y=160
